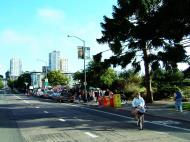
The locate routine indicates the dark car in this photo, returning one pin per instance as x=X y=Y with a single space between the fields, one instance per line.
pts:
x=66 y=97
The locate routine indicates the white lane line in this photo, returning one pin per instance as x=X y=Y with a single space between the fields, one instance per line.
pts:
x=62 y=120
x=18 y=97
x=161 y=133
x=26 y=101
x=22 y=99
x=175 y=127
x=91 y=135
x=46 y=112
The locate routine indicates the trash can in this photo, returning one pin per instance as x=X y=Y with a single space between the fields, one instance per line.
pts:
x=106 y=101
x=117 y=100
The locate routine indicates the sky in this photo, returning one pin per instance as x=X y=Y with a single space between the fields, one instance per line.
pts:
x=31 y=29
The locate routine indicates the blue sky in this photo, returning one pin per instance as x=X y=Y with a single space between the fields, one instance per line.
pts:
x=31 y=29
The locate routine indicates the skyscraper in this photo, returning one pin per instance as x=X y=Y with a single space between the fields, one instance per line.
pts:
x=15 y=68
x=54 y=61
x=64 y=65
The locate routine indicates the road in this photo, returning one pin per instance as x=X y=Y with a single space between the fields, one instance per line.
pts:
x=29 y=119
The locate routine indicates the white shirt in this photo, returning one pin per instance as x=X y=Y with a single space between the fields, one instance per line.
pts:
x=138 y=102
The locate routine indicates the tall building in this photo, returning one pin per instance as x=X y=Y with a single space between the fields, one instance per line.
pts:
x=54 y=61
x=15 y=68
x=64 y=65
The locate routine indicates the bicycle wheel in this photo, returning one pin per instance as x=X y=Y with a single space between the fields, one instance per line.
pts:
x=141 y=122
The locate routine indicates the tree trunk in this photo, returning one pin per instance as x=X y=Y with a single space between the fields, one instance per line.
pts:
x=149 y=97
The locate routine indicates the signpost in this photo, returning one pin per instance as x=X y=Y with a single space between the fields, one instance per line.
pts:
x=46 y=83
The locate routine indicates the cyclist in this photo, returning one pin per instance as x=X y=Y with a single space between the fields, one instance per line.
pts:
x=138 y=105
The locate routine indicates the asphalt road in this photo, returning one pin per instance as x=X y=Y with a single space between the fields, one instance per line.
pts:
x=30 y=119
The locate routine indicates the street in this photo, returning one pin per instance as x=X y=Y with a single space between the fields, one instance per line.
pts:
x=30 y=119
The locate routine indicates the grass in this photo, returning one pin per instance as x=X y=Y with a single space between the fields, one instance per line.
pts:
x=186 y=106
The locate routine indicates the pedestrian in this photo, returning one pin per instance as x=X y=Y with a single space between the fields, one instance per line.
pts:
x=138 y=104
x=107 y=92
x=178 y=100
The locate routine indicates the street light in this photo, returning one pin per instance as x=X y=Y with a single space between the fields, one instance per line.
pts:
x=84 y=50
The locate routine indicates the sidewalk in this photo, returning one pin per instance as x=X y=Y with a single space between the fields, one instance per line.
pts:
x=163 y=109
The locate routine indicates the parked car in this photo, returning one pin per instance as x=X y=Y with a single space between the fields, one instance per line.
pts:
x=47 y=94
x=55 y=95
x=65 y=97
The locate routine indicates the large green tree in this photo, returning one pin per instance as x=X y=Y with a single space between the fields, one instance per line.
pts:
x=134 y=35
x=22 y=79
x=57 y=78
x=108 y=77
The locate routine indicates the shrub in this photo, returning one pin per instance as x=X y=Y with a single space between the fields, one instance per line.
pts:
x=165 y=92
x=186 y=93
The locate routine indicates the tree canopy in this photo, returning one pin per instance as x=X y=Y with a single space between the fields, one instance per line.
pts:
x=57 y=78
x=138 y=31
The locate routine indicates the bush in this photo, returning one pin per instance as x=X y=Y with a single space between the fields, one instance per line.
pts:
x=186 y=106
x=186 y=93
x=132 y=89
x=165 y=92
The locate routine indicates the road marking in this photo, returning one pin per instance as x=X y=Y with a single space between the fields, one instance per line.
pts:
x=22 y=99
x=167 y=122
x=18 y=97
x=91 y=135
x=37 y=107
x=46 y=112
x=161 y=133
x=26 y=101
x=62 y=120
x=179 y=128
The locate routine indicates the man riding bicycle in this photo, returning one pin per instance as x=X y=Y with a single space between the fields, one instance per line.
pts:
x=138 y=107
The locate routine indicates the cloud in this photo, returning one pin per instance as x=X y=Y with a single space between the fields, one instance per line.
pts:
x=50 y=14
x=9 y=36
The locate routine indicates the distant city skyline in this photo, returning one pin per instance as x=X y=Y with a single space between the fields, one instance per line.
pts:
x=56 y=62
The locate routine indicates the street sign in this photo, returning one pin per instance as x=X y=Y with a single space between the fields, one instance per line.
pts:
x=46 y=82
x=81 y=52
x=31 y=87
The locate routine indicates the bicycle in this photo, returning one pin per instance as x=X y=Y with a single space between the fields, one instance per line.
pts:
x=140 y=119
x=139 y=113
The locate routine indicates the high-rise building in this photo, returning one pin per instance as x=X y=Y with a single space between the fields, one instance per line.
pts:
x=15 y=68
x=64 y=65
x=54 y=61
